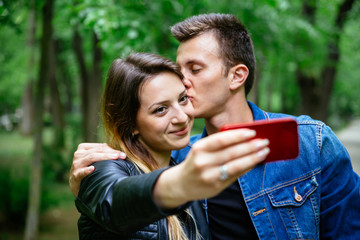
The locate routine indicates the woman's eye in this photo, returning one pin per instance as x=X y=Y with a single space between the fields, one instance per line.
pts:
x=184 y=99
x=160 y=110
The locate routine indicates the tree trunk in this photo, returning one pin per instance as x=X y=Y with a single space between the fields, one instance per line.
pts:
x=56 y=106
x=27 y=119
x=94 y=91
x=329 y=71
x=32 y=219
x=309 y=90
x=315 y=93
x=27 y=107
x=90 y=87
x=79 y=54
x=309 y=85
x=65 y=83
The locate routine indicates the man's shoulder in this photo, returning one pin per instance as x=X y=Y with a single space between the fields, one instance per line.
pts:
x=195 y=138
x=180 y=155
x=301 y=120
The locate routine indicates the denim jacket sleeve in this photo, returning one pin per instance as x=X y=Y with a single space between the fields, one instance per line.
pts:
x=340 y=190
x=119 y=199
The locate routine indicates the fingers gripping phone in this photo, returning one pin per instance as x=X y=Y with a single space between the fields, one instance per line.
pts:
x=282 y=134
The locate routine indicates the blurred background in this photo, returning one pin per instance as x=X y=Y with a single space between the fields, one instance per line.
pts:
x=55 y=54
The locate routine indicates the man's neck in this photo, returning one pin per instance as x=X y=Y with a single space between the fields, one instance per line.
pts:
x=233 y=113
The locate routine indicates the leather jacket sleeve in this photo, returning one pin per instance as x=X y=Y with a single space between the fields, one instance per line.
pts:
x=119 y=199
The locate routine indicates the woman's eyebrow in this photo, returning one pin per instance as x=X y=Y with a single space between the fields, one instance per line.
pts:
x=163 y=102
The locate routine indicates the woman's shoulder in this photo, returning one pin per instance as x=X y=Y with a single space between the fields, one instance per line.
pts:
x=114 y=163
x=115 y=166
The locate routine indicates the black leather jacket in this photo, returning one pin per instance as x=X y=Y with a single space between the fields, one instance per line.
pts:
x=116 y=202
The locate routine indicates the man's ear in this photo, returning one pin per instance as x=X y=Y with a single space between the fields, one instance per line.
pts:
x=237 y=76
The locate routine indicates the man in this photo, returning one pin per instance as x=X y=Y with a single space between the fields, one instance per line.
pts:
x=315 y=196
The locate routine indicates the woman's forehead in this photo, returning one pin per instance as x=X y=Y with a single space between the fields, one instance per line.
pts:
x=162 y=87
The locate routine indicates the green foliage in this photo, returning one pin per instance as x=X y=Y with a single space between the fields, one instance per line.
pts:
x=14 y=176
x=198 y=127
x=14 y=192
x=12 y=60
x=285 y=41
x=345 y=102
x=15 y=155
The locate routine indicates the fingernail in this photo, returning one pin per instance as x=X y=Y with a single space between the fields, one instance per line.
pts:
x=262 y=143
x=250 y=133
x=91 y=169
x=263 y=152
x=122 y=155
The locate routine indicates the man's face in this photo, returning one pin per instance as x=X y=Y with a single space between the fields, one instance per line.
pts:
x=203 y=70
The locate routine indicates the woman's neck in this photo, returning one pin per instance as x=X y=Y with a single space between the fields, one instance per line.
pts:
x=162 y=158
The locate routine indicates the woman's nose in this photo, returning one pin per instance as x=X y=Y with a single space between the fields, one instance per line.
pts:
x=179 y=116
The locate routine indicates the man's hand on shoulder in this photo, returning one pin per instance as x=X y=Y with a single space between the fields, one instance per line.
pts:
x=85 y=155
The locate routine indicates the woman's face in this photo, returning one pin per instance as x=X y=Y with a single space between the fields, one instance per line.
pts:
x=165 y=116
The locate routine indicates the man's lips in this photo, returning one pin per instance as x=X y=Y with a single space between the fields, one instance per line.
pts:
x=181 y=132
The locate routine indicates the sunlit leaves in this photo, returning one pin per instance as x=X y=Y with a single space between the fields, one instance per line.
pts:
x=284 y=39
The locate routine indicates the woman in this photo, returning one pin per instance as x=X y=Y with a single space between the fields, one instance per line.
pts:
x=146 y=114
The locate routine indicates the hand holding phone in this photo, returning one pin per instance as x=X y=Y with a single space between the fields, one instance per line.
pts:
x=282 y=134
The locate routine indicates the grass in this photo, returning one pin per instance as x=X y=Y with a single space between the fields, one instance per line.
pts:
x=13 y=145
x=59 y=220
x=57 y=223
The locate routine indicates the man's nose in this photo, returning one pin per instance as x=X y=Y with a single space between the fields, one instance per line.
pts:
x=186 y=82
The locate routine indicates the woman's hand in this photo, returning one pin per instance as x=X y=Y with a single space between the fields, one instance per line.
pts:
x=201 y=174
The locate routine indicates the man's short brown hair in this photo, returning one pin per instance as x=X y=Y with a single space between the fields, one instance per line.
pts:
x=233 y=39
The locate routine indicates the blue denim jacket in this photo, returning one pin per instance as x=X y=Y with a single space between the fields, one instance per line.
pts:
x=315 y=196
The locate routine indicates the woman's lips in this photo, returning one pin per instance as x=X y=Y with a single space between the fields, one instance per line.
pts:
x=181 y=132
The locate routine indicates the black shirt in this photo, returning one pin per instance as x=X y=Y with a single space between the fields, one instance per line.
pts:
x=229 y=217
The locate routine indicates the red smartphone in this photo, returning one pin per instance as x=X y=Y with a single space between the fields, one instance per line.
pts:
x=282 y=134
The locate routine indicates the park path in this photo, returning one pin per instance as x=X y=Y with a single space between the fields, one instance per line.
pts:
x=350 y=137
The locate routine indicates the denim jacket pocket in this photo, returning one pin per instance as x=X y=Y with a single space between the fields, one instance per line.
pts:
x=296 y=209
x=293 y=194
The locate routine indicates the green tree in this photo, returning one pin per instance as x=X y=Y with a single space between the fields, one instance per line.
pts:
x=298 y=44
x=32 y=218
x=316 y=93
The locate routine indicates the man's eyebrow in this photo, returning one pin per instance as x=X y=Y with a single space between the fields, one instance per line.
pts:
x=189 y=62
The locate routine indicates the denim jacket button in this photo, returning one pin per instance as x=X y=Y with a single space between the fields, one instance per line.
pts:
x=298 y=197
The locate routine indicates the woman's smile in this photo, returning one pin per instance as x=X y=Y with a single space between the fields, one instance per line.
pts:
x=181 y=132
